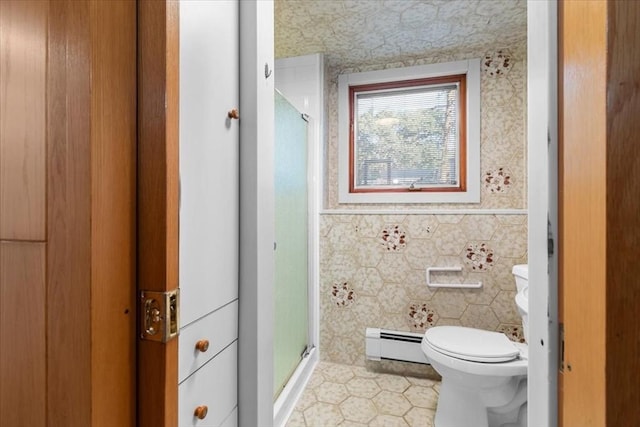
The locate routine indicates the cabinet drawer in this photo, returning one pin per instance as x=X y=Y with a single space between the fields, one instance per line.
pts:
x=218 y=329
x=214 y=386
x=232 y=419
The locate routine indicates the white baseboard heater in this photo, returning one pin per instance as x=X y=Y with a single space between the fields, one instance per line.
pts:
x=394 y=345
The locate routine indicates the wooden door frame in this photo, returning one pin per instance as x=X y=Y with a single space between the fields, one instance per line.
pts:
x=600 y=177
x=158 y=199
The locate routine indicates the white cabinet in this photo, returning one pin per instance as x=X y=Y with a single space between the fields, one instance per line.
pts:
x=213 y=386
x=202 y=340
x=209 y=211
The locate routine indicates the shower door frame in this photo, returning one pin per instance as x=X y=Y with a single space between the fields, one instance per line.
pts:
x=301 y=97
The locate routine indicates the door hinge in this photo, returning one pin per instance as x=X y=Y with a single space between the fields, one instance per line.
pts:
x=159 y=315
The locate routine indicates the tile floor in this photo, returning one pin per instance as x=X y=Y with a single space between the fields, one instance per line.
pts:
x=350 y=396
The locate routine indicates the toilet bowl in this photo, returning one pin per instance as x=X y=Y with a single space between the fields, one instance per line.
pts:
x=484 y=374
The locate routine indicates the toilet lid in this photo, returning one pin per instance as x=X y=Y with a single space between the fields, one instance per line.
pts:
x=475 y=345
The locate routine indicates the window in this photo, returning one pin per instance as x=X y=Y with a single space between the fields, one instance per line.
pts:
x=410 y=134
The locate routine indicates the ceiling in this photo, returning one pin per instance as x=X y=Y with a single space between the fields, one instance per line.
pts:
x=356 y=32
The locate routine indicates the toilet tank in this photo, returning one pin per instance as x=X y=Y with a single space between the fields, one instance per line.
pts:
x=521 y=274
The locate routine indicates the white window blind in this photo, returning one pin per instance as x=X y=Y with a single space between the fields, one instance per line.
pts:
x=406 y=137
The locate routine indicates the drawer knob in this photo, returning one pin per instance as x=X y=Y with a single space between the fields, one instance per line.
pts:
x=202 y=345
x=234 y=114
x=201 y=412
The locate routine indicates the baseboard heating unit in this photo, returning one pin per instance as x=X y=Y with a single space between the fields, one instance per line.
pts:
x=382 y=344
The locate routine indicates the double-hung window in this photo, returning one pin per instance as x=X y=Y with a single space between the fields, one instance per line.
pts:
x=410 y=135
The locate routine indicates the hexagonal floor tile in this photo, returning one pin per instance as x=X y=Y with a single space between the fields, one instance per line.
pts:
x=358 y=409
x=392 y=383
x=347 y=423
x=420 y=417
x=307 y=399
x=391 y=403
x=388 y=421
x=424 y=397
x=363 y=387
x=337 y=373
x=322 y=415
x=296 y=420
x=329 y=392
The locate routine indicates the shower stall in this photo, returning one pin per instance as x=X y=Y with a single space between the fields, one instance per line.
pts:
x=299 y=112
x=291 y=328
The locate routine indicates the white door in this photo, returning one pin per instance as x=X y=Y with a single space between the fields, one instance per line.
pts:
x=543 y=184
x=209 y=214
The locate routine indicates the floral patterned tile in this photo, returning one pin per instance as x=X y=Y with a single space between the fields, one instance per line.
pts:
x=479 y=256
x=513 y=332
x=393 y=238
x=497 y=63
x=421 y=317
x=498 y=180
x=342 y=295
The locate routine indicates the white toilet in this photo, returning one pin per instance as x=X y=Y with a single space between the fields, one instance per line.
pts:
x=484 y=374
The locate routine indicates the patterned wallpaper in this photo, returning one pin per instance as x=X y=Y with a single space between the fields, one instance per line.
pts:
x=372 y=274
x=358 y=32
x=502 y=126
x=372 y=271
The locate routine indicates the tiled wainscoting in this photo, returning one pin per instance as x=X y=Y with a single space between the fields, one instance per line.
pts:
x=346 y=395
x=372 y=274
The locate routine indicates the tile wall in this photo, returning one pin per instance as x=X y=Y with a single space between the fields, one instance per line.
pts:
x=372 y=266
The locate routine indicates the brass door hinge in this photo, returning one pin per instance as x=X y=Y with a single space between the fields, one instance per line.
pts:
x=159 y=315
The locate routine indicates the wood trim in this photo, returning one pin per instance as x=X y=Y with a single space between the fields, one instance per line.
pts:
x=462 y=131
x=623 y=207
x=158 y=59
x=22 y=334
x=583 y=187
x=113 y=213
x=23 y=66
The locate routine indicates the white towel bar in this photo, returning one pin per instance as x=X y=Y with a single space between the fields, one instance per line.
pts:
x=449 y=285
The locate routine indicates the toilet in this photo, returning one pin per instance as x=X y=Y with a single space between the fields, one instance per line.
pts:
x=484 y=374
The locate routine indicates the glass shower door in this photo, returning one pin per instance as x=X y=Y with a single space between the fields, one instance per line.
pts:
x=291 y=225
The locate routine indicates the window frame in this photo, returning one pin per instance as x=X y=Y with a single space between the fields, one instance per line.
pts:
x=461 y=80
x=468 y=190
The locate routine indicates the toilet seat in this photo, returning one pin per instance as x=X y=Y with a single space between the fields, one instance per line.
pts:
x=474 y=345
